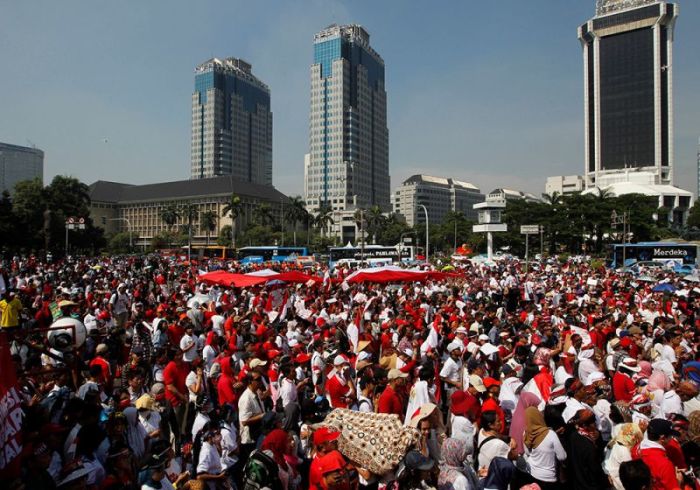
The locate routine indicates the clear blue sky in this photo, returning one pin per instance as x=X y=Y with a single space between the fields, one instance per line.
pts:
x=484 y=91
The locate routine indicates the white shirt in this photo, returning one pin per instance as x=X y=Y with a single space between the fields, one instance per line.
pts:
x=208 y=354
x=451 y=370
x=614 y=457
x=543 y=459
x=249 y=405
x=199 y=422
x=191 y=380
x=492 y=449
x=229 y=444
x=464 y=430
x=217 y=325
x=287 y=392
x=185 y=342
x=209 y=462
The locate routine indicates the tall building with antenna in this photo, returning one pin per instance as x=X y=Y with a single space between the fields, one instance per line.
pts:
x=628 y=83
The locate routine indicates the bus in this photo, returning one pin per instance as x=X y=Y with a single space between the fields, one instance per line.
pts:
x=212 y=252
x=257 y=255
x=373 y=255
x=662 y=252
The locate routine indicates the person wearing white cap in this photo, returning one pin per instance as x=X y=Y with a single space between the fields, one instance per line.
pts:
x=624 y=388
x=451 y=372
x=339 y=388
x=119 y=305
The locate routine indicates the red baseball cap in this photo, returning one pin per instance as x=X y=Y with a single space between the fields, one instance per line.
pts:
x=332 y=461
x=302 y=358
x=489 y=382
x=324 y=434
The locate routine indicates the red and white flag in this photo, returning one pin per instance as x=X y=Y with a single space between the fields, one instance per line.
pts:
x=10 y=415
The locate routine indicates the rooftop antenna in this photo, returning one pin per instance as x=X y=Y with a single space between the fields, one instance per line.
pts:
x=31 y=144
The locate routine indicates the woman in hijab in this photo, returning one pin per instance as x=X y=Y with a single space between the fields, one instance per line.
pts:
x=542 y=449
x=517 y=423
x=691 y=447
x=277 y=444
x=454 y=473
x=626 y=436
x=135 y=434
x=582 y=448
x=500 y=474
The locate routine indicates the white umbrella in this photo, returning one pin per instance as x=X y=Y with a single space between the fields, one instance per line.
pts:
x=691 y=278
x=201 y=299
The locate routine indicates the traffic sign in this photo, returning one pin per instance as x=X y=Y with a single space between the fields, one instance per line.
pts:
x=81 y=220
x=71 y=220
x=529 y=229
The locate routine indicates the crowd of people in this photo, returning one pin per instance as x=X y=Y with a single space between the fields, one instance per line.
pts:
x=492 y=378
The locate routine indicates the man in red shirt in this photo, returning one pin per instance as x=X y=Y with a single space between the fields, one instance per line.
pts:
x=325 y=442
x=339 y=386
x=390 y=401
x=99 y=360
x=174 y=378
x=652 y=451
x=623 y=387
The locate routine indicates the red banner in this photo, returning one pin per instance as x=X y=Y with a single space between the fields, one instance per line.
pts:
x=10 y=415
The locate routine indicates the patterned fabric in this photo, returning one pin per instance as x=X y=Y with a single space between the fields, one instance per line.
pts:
x=374 y=441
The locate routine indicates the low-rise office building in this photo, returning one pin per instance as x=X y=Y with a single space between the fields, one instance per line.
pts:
x=122 y=207
x=564 y=184
x=439 y=195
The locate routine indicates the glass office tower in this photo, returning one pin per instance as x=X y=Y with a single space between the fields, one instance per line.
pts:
x=231 y=123
x=628 y=84
x=348 y=163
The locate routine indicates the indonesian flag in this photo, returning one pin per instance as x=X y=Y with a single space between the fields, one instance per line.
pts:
x=433 y=336
x=268 y=303
x=10 y=415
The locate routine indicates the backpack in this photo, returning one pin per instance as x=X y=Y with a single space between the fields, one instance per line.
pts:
x=260 y=472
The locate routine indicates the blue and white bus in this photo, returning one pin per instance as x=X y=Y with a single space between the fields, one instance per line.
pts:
x=258 y=255
x=662 y=252
x=372 y=255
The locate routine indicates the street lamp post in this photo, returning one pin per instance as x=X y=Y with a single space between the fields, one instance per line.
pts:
x=427 y=232
x=616 y=219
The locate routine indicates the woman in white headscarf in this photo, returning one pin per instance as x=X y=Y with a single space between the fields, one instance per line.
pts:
x=587 y=364
x=135 y=433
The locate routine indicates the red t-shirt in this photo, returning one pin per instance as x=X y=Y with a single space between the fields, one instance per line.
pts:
x=390 y=402
x=337 y=390
x=175 y=375
x=623 y=387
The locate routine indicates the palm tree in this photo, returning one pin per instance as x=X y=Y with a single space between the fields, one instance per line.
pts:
x=233 y=208
x=375 y=220
x=262 y=215
x=189 y=212
x=324 y=218
x=169 y=215
x=208 y=222
x=295 y=212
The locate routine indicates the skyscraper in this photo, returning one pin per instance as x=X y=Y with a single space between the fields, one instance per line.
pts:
x=231 y=123
x=628 y=82
x=18 y=163
x=348 y=166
